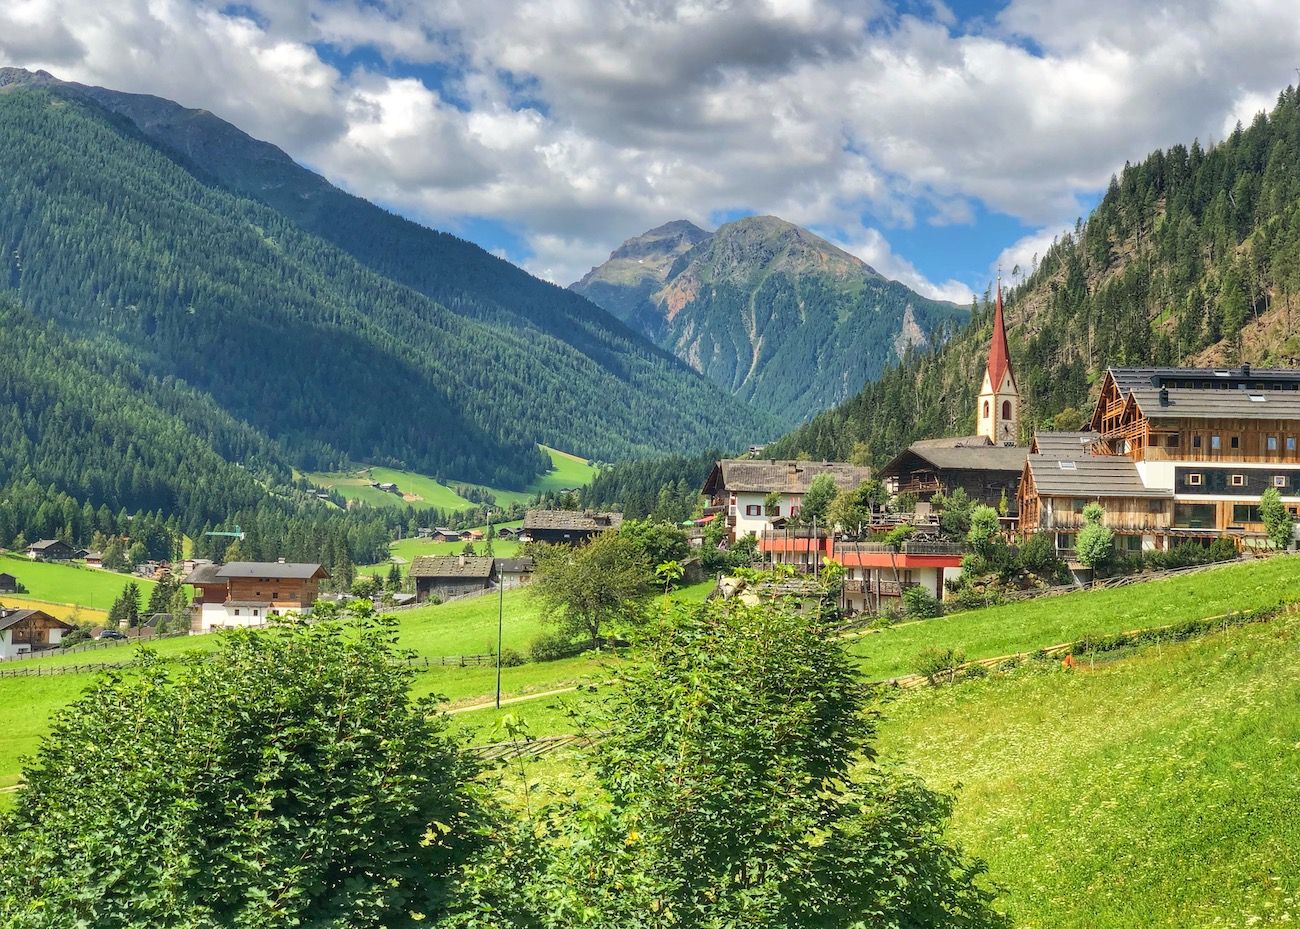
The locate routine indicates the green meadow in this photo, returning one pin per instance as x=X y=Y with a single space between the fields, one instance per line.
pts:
x=1157 y=790
x=68 y=583
x=423 y=491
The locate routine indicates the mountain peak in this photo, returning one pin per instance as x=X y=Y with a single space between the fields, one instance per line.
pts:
x=762 y=244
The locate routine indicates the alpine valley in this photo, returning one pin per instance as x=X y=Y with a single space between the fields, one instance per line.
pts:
x=171 y=282
x=767 y=310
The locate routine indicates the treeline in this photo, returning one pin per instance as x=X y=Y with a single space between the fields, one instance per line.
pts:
x=664 y=489
x=1186 y=249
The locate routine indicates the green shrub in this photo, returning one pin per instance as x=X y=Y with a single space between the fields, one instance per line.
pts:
x=975 y=672
x=552 y=646
x=919 y=603
x=511 y=658
x=939 y=664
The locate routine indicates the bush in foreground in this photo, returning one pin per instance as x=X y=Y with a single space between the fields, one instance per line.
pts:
x=287 y=780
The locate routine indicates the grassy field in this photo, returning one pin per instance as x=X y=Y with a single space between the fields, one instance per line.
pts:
x=70 y=584
x=405 y=550
x=422 y=491
x=1032 y=624
x=68 y=611
x=1158 y=790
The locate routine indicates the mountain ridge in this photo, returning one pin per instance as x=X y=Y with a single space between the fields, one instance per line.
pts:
x=766 y=309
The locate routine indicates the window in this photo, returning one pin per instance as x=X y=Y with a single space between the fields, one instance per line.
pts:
x=774 y=511
x=1279 y=480
x=1271 y=443
x=1290 y=443
x=236 y=611
x=254 y=612
x=1006 y=409
x=1215 y=444
x=986 y=409
x=1245 y=513
x=1234 y=441
x=1196 y=441
x=753 y=509
x=275 y=595
x=794 y=511
x=1194 y=515
x=1238 y=480
x=1194 y=480
x=1172 y=440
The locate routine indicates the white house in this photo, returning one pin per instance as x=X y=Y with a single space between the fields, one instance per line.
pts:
x=738 y=489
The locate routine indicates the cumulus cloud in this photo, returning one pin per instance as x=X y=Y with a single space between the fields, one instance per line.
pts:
x=581 y=122
x=869 y=245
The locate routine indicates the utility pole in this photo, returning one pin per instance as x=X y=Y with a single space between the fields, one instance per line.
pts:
x=501 y=613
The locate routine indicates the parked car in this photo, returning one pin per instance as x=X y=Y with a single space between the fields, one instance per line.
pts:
x=112 y=634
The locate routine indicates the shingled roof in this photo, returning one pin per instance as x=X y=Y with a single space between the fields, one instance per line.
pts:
x=11 y=618
x=976 y=457
x=765 y=475
x=571 y=520
x=1212 y=393
x=471 y=566
x=271 y=569
x=1089 y=476
x=1063 y=444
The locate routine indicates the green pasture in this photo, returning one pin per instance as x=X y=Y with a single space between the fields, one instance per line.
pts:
x=70 y=583
x=1032 y=624
x=1158 y=790
x=420 y=490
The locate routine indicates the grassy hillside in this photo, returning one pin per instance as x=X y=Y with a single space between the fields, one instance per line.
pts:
x=1156 y=791
x=1020 y=627
x=69 y=584
x=419 y=490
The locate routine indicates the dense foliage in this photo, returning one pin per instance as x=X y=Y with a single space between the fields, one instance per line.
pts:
x=170 y=797
x=1186 y=251
x=736 y=787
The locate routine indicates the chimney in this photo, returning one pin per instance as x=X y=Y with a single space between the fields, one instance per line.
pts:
x=1164 y=396
x=462 y=561
x=279 y=561
x=1245 y=369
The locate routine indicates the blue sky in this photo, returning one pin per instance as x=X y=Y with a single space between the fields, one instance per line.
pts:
x=937 y=141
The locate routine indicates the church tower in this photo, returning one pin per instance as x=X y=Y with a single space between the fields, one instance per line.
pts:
x=998 y=407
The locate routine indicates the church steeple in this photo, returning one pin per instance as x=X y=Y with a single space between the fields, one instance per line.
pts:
x=998 y=412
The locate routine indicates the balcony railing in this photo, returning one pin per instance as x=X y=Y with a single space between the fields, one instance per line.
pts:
x=879 y=588
x=908 y=548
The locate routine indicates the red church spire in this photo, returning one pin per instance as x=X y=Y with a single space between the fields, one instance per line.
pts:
x=999 y=357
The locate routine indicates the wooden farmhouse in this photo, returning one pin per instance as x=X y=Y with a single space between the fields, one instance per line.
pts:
x=50 y=550
x=251 y=593
x=8 y=584
x=447 y=577
x=513 y=572
x=567 y=527
x=25 y=631
x=1175 y=454
x=738 y=488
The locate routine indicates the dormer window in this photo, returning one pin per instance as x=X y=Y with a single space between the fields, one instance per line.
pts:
x=1194 y=480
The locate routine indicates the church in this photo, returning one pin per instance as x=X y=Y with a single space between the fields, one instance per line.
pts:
x=987 y=465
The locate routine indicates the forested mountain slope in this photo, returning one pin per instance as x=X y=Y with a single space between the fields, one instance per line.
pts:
x=767 y=310
x=393 y=344
x=1193 y=255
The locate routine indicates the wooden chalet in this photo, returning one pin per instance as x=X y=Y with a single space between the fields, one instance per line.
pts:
x=25 y=631
x=567 y=527
x=738 y=488
x=973 y=463
x=447 y=577
x=8 y=584
x=252 y=593
x=50 y=550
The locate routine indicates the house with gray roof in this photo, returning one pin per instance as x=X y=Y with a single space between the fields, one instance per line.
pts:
x=447 y=577
x=738 y=488
x=986 y=471
x=567 y=527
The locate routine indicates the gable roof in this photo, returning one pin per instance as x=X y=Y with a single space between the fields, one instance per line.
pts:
x=11 y=618
x=471 y=566
x=271 y=569
x=43 y=544
x=1063 y=444
x=1211 y=393
x=999 y=363
x=573 y=520
x=982 y=457
x=1090 y=476
x=204 y=574
x=765 y=475
x=521 y=565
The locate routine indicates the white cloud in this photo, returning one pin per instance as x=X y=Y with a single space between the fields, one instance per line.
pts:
x=869 y=245
x=580 y=122
x=1025 y=254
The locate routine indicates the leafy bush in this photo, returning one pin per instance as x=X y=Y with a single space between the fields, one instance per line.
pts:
x=511 y=658
x=331 y=798
x=940 y=663
x=552 y=646
x=919 y=603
